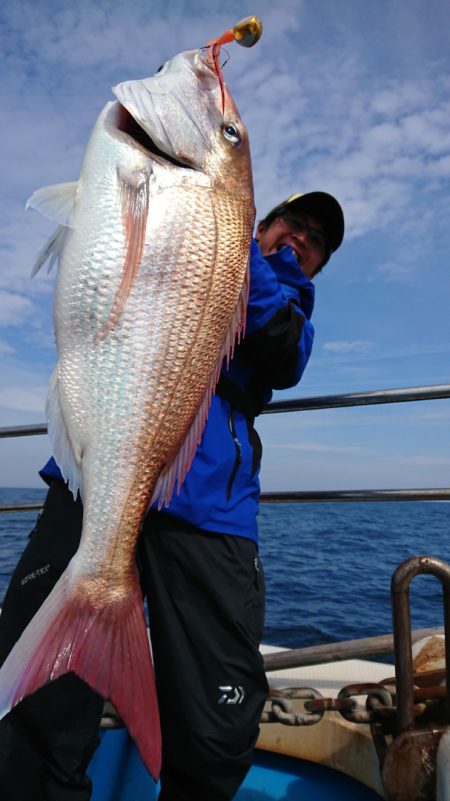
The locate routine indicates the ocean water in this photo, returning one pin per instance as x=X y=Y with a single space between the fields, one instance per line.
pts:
x=328 y=566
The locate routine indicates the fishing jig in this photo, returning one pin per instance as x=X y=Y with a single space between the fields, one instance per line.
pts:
x=246 y=33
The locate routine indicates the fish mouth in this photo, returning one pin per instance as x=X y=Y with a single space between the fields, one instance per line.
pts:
x=127 y=124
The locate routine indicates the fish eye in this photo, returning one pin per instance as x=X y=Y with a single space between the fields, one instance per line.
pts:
x=231 y=133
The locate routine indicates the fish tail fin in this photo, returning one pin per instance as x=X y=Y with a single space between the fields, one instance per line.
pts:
x=105 y=645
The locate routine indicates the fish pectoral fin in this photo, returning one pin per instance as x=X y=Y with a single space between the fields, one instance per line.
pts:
x=104 y=644
x=134 y=190
x=55 y=202
x=51 y=251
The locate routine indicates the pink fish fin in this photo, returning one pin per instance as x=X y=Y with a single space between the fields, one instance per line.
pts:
x=104 y=644
x=237 y=326
x=176 y=473
x=66 y=452
x=134 y=188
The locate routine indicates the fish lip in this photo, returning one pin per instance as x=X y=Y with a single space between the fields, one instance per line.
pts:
x=130 y=127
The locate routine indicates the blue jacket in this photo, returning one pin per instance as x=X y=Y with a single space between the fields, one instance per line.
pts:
x=221 y=490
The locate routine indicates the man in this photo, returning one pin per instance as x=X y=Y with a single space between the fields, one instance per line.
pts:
x=198 y=559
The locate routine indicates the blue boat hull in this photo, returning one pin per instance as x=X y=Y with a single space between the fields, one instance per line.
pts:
x=119 y=775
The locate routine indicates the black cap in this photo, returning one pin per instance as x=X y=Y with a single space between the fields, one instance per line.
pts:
x=322 y=206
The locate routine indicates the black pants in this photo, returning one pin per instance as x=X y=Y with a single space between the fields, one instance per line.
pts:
x=205 y=597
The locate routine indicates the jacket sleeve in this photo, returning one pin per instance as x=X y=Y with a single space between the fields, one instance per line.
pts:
x=279 y=334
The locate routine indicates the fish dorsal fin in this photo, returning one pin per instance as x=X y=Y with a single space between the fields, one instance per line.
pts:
x=69 y=462
x=55 y=202
x=51 y=251
x=176 y=473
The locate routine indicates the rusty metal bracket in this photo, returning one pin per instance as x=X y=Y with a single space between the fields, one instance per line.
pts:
x=401 y=580
x=409 y=764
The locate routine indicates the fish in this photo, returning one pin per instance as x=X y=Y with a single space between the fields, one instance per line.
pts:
x=152 y=247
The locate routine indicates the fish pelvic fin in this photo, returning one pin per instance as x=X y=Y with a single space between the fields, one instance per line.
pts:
x=175 y=474
x=51 y=251
x=134 y=191
x=105 y=645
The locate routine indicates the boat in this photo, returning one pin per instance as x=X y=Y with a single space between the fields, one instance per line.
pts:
x=337 y=723
x=323 y=772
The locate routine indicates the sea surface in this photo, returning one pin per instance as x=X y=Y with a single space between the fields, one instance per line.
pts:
x=328 y=566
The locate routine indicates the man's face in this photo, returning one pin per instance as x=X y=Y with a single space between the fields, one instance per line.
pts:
x=304 y=235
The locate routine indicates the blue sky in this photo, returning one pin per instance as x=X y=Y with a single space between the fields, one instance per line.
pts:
x=347 y=96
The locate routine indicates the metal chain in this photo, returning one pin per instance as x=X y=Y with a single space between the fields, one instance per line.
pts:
x=282 y=710
x=375 y=692
x=110 y=717
x=379 y=704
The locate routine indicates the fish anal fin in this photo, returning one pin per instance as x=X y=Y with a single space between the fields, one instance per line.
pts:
x=65 y=453
x=134 y=192
x=105 y=645
x=176 y=472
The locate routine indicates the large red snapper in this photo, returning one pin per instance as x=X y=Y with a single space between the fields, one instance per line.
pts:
x=153 y=244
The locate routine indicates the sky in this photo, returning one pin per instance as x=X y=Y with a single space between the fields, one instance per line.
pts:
x=346 y=96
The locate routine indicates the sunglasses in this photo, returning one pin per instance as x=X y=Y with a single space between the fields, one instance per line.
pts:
x=316 y=236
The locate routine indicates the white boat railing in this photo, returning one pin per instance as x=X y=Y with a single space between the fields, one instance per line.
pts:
x=399 y=395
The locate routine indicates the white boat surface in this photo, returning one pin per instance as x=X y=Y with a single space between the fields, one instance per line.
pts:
x=334 y=742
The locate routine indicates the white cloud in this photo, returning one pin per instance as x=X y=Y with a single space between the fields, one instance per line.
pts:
x=346 y=346
x=14 y=309
x=5 y=348
x=395 y=352
x=428 y=460
x=318 y=447
x=24 y=400
x=392 y=272
x=393 y=100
